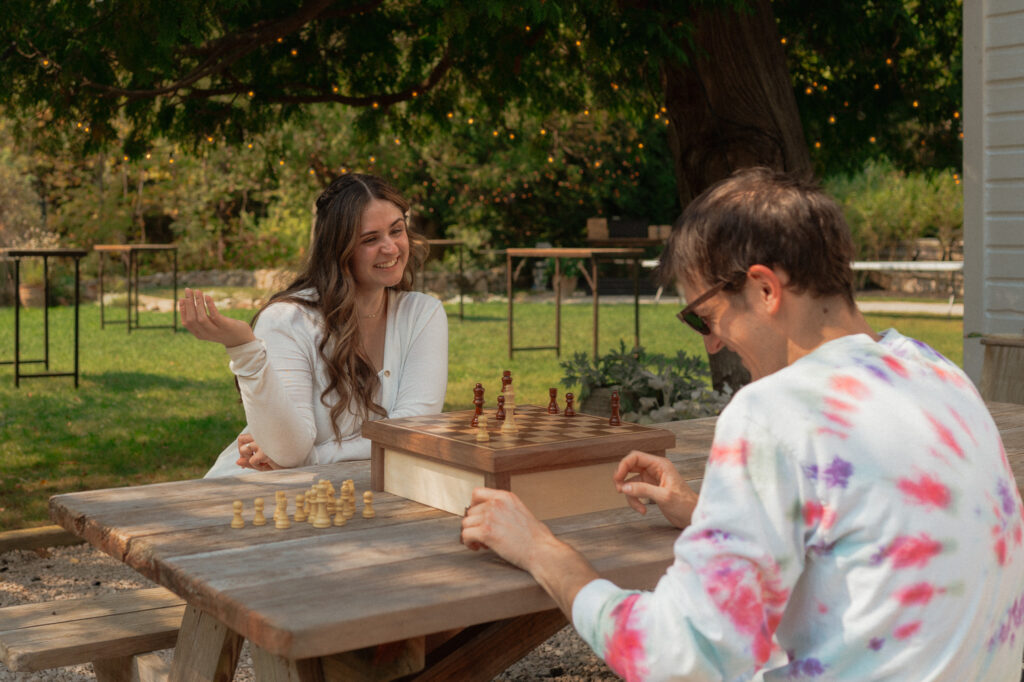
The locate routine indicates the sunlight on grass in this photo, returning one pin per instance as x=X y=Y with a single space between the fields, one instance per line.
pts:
x=155 y=405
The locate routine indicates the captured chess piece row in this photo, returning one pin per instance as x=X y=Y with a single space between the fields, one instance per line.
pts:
x=316 y=506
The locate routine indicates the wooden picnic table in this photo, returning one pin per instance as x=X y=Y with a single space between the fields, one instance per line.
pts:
x=381 y=597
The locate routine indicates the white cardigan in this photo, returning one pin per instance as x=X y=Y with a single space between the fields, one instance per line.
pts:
x=281 y=376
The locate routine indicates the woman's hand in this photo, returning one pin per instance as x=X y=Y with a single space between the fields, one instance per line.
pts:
x=200 y=316
x=655 y=478
x=251 y=455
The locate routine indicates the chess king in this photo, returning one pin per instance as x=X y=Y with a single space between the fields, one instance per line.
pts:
x=857 y=519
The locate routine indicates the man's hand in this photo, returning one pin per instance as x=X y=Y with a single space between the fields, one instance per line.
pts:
x=499 y=520
x=655 y=478
x=200 y=316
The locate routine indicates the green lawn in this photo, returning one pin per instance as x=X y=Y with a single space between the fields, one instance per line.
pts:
x=155 y=406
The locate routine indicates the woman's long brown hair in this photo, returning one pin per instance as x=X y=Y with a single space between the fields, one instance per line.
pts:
x=327 y=269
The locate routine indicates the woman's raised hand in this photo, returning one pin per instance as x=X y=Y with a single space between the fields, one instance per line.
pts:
x=200 y=316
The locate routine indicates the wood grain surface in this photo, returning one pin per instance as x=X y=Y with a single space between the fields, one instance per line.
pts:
x=304 y=592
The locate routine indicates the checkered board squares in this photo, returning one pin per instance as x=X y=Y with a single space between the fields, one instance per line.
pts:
x=536 y=427
x=437 y=460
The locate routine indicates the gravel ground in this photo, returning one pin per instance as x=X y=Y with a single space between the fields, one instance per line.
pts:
x=80 y=571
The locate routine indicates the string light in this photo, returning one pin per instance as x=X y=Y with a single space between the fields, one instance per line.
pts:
x=640 y=146
x=527 y=28
x=251 y=93
x=956 y=114
x=888 y=61
x=877 y=86
x=334 y=88
x=551 y=159
x=578 y=43
x=494 y=132
x=783 y=41
x=915 y=104
x=375 y=105
x=295 y=53
x=871 y=139
x=808 y=90
x=470 y=120
x=831 y=119
x=817 y=145
x=543 y=131
x=397 y=141
x=450 y=114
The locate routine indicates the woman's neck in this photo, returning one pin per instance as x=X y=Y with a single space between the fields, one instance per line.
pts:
x=372 y=304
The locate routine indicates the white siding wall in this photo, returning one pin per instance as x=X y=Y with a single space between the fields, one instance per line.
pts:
x=993 y=173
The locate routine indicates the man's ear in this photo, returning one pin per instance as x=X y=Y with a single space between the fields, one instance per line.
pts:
x=767 y=286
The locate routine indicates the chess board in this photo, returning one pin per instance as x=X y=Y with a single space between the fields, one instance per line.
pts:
x=437 y=460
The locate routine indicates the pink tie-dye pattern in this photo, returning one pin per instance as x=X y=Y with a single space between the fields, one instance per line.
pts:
x=839 y=405
x=921 y=593
x=816 y=512
x=963 y=425
x=904 y=631
x=734 y=453
x=910 y=552
x=895 y=365
x=752 y=601
x=850 y=386
x=623 y=648
x=838 y=419
x=926 y=491
x=945 y=435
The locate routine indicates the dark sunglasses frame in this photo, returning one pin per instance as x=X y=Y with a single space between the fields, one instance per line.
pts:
x=693 y=320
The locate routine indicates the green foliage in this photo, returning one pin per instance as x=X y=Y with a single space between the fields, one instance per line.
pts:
x=879 y=79
x=651 y=386
x=886 y=207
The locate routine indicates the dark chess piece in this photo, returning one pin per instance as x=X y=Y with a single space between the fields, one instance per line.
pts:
x=552 y=404
x=478 y=404
x=506 y=379
x=569 y=411
x=615 y=420
x=500 y=414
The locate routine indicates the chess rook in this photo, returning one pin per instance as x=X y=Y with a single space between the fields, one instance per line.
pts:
x=552 y=401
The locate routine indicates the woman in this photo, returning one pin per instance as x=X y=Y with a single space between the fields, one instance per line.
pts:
x=347 y=341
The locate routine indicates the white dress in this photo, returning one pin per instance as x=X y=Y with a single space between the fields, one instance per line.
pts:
x=281 y=376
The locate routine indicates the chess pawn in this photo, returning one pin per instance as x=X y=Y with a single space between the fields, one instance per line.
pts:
x=281 y=515
x=368 y=512
x=339 y=512
x=300 y=508
x=552 y=402
x=569 y=411
x=615 y=419
x=481 y=430
x=500 y=413
x=322 y=520
x=236 y=520
x=259 y=519
x=478 y=403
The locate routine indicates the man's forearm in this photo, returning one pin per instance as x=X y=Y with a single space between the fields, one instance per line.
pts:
x=561 y=571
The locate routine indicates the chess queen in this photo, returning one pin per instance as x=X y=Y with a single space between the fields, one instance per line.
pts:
x=347 y=341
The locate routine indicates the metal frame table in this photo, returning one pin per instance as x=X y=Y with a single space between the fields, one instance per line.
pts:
x=594 y=254
x=16 y=255
x=129 y=254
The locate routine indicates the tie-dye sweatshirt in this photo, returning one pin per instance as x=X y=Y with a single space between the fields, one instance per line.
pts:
x=858 y=520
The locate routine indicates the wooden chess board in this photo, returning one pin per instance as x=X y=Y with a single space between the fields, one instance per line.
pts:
x=558 y=465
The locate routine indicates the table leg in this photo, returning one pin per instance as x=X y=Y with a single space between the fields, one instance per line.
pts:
x=508 y=290
x=206 y=651
x=103 y=320
x=558 y=308
x=636 y=303
x=174 y=302
x=483 y=651
x=128 y=290
x=593 y=271
x=46 y=313
x=17 y=323
x=78 y=272
x=461 y=279
x=267 y=667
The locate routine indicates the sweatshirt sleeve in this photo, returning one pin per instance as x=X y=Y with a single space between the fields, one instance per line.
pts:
x=714 y=613
x=275 y=377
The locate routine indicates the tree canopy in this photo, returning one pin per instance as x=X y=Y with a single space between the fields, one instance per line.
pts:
x=872 y=78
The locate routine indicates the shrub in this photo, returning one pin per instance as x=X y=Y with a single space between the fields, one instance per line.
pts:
x=652 y=387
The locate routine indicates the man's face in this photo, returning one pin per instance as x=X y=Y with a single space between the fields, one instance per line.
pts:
x=738 y=323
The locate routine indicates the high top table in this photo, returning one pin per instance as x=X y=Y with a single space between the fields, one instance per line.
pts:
x=130 y=254
x=17 y=255
x=397 y=593
x=593 y=255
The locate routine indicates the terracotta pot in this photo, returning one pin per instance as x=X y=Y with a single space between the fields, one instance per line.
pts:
x=31 y=295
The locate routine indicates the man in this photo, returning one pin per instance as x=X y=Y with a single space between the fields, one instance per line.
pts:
x=858 y=518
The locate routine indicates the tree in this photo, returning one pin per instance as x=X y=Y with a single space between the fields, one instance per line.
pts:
x=713 y=72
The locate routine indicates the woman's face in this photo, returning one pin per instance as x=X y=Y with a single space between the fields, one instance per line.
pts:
x=382 y=247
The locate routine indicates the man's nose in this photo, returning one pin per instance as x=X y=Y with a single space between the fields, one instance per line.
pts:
x=712 y=343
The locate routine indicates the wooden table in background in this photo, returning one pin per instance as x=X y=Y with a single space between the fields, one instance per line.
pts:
x=130 y=254
x=16 y=255
x=385 y=597
x=594 y=255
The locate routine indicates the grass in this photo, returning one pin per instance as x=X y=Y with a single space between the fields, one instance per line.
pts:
x=155 y=405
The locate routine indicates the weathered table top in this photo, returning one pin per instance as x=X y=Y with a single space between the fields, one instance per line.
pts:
x=304 y=592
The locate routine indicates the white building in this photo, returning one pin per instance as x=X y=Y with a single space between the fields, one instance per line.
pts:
x=993 y=173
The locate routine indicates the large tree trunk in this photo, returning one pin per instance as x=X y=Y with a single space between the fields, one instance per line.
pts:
x=732 y=107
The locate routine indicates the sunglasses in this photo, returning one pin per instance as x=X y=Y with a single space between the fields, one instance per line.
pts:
x=691 y=318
